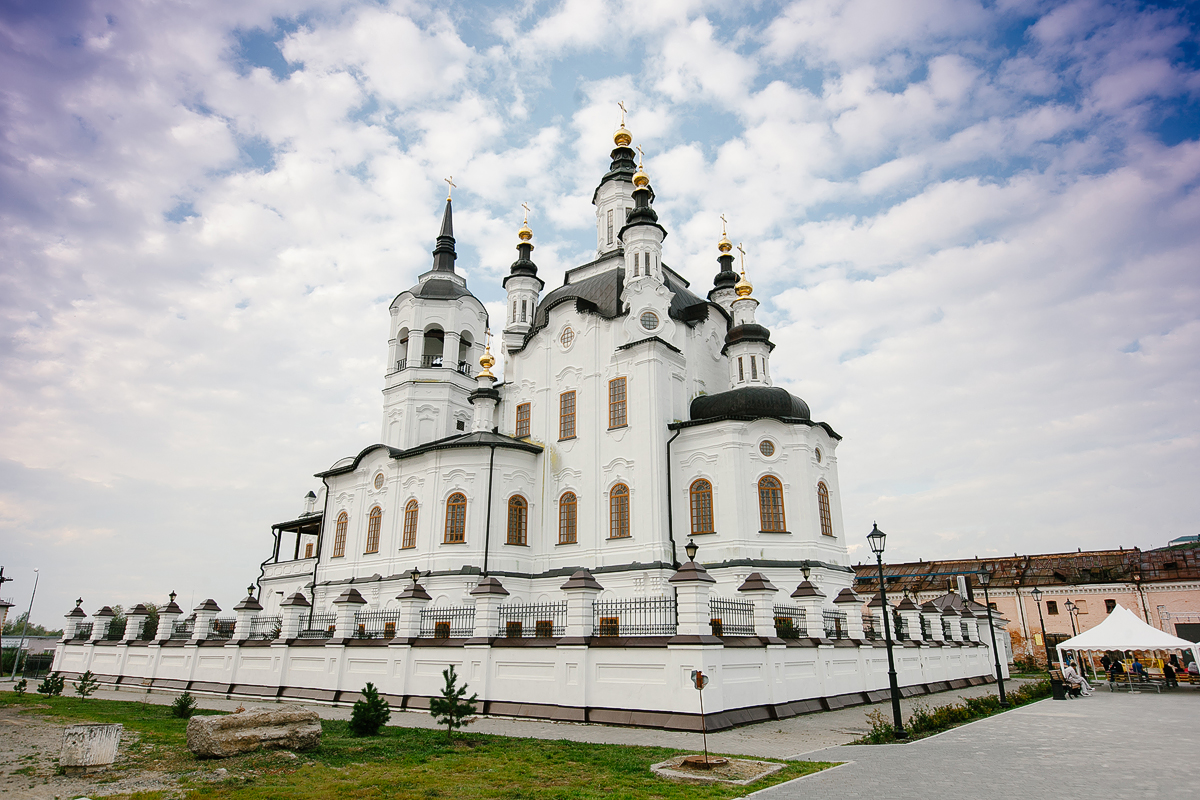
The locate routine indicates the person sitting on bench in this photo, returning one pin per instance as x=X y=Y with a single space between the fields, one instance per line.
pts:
x=1076 y=683
x=1169 y=675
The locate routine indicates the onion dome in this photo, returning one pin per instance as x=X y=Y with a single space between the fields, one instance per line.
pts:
x=743 y=287
x=486 y=360
x=524 y=265
x=726 y=278
x=622 y=138
x=751 y=402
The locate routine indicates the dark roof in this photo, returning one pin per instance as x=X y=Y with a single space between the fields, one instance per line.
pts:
x=750 y=402
x=484 y=439
x=748 y=332
x=440 y=289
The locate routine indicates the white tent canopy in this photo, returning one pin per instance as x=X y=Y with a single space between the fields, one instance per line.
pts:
x=1122 y=630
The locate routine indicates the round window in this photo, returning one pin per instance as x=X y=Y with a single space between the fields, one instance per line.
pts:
x=567 y=338
x=379 y=480
x=766 y=447
x=649 y=320
x=818 y=455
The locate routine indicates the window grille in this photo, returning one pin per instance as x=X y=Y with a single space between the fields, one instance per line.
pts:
x=730 y=617
x=618 y=512
x=566 y=415
x=447 y=622
x=636 y=264
x=641 y=616
x=339 y=535
x=373 y=523
x=308 y=550
x=456 y=518
x=617 y=407
x=770 y=504
x=83 y=630
x=116 y=630
x=823 y=506
x=702 y=506
x=790 y=622
x=266 y=628
x=610 y=226
x=518 y=519
x=183 y=630
x=539 y=621
x=410 y=525
x=741 y=370
x=568 y=517
x=319 y=626
x=835 y=625
x=524 y=309
x=376 y=624
x=522 y=420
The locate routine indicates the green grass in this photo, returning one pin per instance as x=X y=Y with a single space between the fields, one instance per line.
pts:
x=399 y=763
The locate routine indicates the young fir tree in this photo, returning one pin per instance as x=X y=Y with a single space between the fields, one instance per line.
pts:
x=184 y=706
x=86 y=685
x=370 y=713
x=52 y=684
x=451 y=709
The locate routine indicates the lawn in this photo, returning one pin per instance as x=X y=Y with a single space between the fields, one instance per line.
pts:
x=399 y=763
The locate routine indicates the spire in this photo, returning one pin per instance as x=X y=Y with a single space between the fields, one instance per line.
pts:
x=524 y=265
x=643 y=212
x=443 y=254
x=726 y=278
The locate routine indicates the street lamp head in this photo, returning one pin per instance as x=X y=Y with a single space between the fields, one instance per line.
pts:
x=415 y=575
x=79 y=602
x=250 y=590
x=877 y=539
x=806 y=570
x=985 y=577
x=1036 y=594
x=172 y=595
x=1070 y=606
x=691 y=548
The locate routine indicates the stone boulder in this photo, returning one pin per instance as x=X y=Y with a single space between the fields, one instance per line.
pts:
x=254 y=729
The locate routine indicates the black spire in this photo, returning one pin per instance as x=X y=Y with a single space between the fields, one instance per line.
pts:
x=643 y=213
x=726 y=278
x=523 y=266
x=443 y=254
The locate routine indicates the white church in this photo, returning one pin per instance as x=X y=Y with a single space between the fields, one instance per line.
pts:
x=634 y=501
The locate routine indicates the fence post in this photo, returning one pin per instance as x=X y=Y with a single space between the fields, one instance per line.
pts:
x=246 y=611
x=488 y=596
x=851 y=604
x=972 y=632
x=206 y=612
x=581 y=590
x=411 y=600
x=292 y=611
x=912 y=619
x=933 y=618
x=692 y=588
x=812 y=600
x=74 y=617
x=167 y=616
x=346 y=605
x=760 y=591
x=101 y=620
x=950 y=614
x=135 y=620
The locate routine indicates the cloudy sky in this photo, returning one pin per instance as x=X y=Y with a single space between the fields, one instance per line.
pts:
x=975 y=227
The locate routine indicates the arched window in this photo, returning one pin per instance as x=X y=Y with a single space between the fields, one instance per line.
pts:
x=518 y=519
x=770 y=504
x=568 y=518
x=618 y=512
x=823 y=506
x=456 y=518
x=410 y=525
x=373 y=523
x=339 y=535
x=702 y=511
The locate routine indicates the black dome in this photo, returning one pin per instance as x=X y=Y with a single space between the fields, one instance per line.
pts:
x=751 y=402
x=748 y=332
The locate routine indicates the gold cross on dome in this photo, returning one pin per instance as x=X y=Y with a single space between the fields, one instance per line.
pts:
x=621 y=103
x=743 y=252
x=526 y=207
x=450 y=185
x=641 y=157
x=723 y=223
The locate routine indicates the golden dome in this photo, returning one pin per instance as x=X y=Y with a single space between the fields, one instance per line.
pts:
x=525 y=234
x=622 y=137
x=743 y=288
x=724 y=245
x=640 y=178
x=486 y=360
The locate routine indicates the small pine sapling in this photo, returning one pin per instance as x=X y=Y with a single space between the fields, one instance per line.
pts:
x=87 y=684
x=451 y=709
x=52 y=685
x=370 y=713
x=20 y=686
x=184 y=706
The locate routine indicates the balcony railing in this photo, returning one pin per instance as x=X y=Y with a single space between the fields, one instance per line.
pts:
x=835 y=625
x=447 y=622
x=319 y=626
x=642 y=616
x=730 y=617
x=266 y=628
x=790 y=622
x=431 y=362
x=438 y=362
x=538 y=621
x=376 y=624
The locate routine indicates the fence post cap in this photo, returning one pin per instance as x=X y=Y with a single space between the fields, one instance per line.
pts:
x=416 y=591
x=691 y=572
x=351 y=595
x=489 y=585
x=208 y=605
x=249 y=604
x=297 y=599
x=105 y=612
x=582 y=579
x=806 y=589
x=757 y=582
x=846 y=595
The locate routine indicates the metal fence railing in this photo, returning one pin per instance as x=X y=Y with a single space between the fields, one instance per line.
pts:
x=899 y=628
x=447 y=622
x=870 y=633
x=376 y=624
x=149 y=629
x=926 y=633
x=965 y=631
x=116 y=630
x=835 y=625
x=730 y=617
x=183 y=630
x=790 y=622
x=539 y=621
x=642 y=616
x=946 y=629
x=266 y=628
x=318 y=626
x=222 y=628
x=83 y=631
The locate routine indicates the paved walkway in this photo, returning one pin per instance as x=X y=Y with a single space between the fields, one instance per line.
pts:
x=1107 y=745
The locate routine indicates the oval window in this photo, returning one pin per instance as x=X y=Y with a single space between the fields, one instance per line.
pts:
x=766 y=447
x=818 y=455
x=567 y=338
x=649 y=320
x=379 y=480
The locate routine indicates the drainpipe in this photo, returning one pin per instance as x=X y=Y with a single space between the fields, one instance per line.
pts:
x=670 y=503
x=317 y=560
x=487 y=530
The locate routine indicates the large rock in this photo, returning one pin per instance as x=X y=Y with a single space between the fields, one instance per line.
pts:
x=254 y=729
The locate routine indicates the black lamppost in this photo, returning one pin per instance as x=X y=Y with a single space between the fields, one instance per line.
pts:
x=1072 y=610
x=877 y=538
x=1036 y=594
x=985 y=577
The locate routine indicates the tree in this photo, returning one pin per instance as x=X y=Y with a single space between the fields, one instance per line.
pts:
x=52 y=685
x=20 y=686
x=13 y=627
x=451 y=709
x=370 y=713
x=86 y=684
x=184 y=705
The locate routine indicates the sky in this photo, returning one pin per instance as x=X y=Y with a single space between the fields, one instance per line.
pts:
x=973 y=224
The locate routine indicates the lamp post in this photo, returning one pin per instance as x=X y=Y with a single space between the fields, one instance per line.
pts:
x=25 y=627
x=1137 y=585
x=1036 y=594
x=877 y=539
x=1072 y=610
x=985 y=577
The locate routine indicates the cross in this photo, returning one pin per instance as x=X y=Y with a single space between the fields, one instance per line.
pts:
x=641 y=156
x=743 y=252
x=622 y=105
x=526 y=207
x=450 y=184
x=723 y=223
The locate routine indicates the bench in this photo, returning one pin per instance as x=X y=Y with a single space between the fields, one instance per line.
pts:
x=1135 y=683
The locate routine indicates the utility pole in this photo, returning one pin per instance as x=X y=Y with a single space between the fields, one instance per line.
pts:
x=25 y=627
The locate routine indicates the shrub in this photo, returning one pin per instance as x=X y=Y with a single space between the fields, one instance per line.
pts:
x=20 y=686
x=52 y=685
x=882 y=730
x=451 y=709
x=86 y=684
x=370 y=713
x=184 y=705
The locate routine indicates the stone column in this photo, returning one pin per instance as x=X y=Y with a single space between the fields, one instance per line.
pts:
x=692 y=588
x=760 y=591
x=933 y=618
x=167 y=616
x=412 y=600
x=851 y=603
x=912 y=619
x=75 y=616
x=292 y=611
x=247 y=611
x=100 y=622
x=346 y=606
x=581 y=590
x=812 y=600
x=950 y=614
x=206 y=612
x=489 y=594
x=135 y=621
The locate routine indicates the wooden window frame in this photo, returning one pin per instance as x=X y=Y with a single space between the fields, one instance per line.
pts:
x=523 y=415
x=308 y=549
x=618 y=512
x=374 y=523
x=339 y=535
x=456 y=519
x=823 y=509
x=566 y=418
x=411 y=510
x=769 y=487
x=568 y=518
x=618 y=406
x=701 y=504
x=518 y=512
